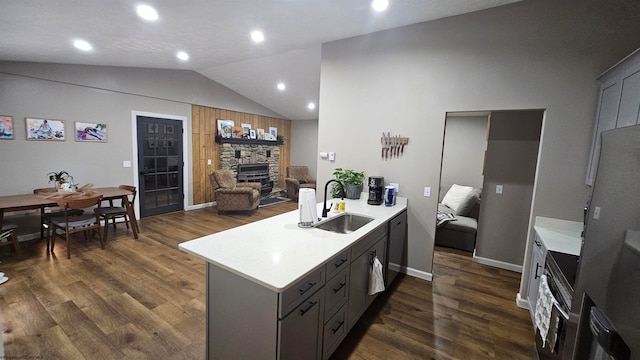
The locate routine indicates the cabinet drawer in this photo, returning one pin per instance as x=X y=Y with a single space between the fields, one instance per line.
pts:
x=336 y=292
x=338 y=263
x=301 y=290
x=334 y=331
x=363 y=244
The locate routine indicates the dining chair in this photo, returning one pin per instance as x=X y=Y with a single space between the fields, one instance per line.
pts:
x=112 y=212
x=9 y=233
x=71 y=222
x=46 y=213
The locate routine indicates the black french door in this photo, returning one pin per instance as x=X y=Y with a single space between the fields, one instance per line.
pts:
x=160 y=165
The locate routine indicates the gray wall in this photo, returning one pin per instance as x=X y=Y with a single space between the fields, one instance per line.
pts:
x=512 y=153
x=465 y=141
x=529 y=55
x=96 y=94
x=304 y=144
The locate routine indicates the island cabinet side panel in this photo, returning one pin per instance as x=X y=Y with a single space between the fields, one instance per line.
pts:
x=242 y=318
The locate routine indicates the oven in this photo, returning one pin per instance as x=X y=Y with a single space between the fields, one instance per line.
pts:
x=560 y=270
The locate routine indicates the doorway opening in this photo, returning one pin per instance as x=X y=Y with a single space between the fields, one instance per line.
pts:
x=493 y=154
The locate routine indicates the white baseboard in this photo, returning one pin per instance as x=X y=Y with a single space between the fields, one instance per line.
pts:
x=417 y=273
x=496 y=263
x=200 y=206
x=523 y=303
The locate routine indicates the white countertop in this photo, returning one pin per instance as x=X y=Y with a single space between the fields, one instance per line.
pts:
x=275 y=252
x=559 y=235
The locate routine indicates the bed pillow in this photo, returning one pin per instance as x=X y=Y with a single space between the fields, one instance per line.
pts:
x=456 y=197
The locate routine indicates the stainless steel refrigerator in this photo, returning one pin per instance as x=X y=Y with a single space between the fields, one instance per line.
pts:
x=607 y=292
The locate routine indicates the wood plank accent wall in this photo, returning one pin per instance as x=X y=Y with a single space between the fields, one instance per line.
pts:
x=204 y=147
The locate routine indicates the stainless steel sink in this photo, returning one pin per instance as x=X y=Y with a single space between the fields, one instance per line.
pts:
x=344 y=223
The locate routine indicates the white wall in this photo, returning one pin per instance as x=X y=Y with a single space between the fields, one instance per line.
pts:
x=530 y=55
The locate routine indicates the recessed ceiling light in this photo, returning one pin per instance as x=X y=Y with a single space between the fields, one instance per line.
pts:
x=147 y=12
x=257 y=36
x=380 y=5
x=311 y=106
x=281 y=86
x=82 y=45
x=182 y=56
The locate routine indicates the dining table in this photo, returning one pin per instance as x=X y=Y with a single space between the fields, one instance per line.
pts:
x=31 y=201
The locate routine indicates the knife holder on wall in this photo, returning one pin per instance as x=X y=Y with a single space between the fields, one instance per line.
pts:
x=392 y=146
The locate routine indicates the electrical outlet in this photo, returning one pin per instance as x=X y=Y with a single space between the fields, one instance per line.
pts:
x=427 y=191
x=126 y=163
x=498 y=189
x=395 y=185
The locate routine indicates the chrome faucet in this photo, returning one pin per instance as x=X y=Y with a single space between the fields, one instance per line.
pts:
x=324 y=204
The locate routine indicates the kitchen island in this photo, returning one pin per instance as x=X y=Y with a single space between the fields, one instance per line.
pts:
x=278 y=291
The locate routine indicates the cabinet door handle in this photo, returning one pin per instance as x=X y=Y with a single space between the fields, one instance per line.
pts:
x=311 y=305
x=538 y=243
x=538 y=266
x=309 y=286
x=339 y=287
x=338 y=328
x=342 y=261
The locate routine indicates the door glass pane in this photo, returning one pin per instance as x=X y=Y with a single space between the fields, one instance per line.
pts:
x=162 y=164
x=175 y=196
x=162 y=181
x=150 y=182
x=149 y=199
x=172 y=149
x=172 y=163
x=150 y=165
x=163 y=198
x=174 y=180
x=151 y=146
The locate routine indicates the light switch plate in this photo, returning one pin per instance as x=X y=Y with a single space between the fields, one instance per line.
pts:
x=427 y=191
x=126 y=163
x=208 y=161
x=332 y=156
x=596 y=213
x=498 y=189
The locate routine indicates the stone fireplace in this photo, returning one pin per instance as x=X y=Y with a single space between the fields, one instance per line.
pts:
x=234 y=154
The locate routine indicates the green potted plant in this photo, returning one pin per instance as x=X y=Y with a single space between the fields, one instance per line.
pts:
x=59 y=178
x=352 y=181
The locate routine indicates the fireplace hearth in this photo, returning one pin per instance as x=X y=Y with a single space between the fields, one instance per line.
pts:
x=258 y=172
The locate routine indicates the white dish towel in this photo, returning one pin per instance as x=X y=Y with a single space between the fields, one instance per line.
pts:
x=544 y=307
x=376 y=280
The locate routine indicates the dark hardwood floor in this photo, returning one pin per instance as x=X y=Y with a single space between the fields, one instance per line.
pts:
x=144 y=299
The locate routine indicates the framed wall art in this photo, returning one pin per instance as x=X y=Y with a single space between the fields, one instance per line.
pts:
x=260 y=134
x=45 y=129
x=6 y=127
x=225 y=128
x=91 y=132
x=273 y=132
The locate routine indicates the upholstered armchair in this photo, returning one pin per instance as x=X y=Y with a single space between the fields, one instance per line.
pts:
x=232 y=196
x=298 y=177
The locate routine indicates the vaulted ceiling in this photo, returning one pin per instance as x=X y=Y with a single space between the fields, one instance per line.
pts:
x=216 y=36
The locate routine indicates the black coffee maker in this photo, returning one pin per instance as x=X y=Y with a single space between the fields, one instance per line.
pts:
x=376 y=190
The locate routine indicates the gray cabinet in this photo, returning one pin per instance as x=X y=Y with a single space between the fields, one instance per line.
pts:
x=396 y=246
x=373 y=245
x=618 y=104
x=308 y=320
x=538 y=256
x=301 y=330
